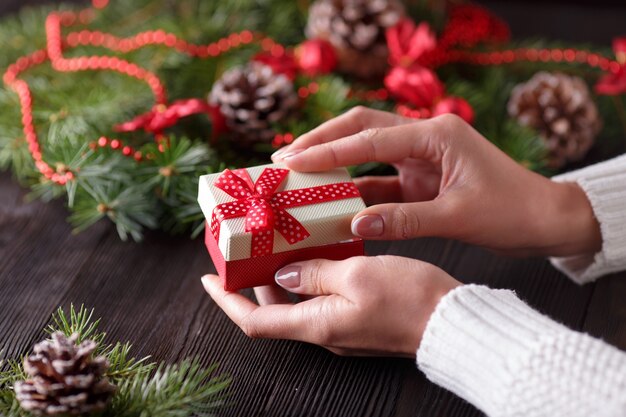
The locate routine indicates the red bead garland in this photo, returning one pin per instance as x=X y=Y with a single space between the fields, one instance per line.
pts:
x=508 y=56
x=55 y=44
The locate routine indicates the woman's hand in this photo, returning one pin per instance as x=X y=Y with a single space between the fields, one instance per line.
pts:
x=362 y=306
x=451 y=183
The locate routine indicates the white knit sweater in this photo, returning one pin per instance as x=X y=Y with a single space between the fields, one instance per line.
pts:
x=492 y=349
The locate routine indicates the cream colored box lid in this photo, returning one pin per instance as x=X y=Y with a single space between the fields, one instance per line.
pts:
x=327 y=222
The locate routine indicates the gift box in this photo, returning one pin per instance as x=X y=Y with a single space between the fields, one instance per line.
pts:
x=262 y=218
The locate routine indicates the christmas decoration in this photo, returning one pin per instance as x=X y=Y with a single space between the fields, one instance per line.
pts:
x=420 y=87
x=417 y=85
x=316 y=57
x=64 y=379
x=561 y=108
x=454 y=105
x=110 y=113
x=614 y=84
x=408 y=42
x=356 y=28
x=162 y=116
x=252 y=98
x=246 y=254
x=75 y=372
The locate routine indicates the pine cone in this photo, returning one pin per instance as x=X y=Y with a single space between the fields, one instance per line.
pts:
x=64 y=378
x=251 y=98
x=356 y=28
x=561 y=108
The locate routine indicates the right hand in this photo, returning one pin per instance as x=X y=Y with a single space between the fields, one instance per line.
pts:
x=451 y=183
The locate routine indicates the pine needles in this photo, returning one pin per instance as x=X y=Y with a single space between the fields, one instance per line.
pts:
x=144 y=388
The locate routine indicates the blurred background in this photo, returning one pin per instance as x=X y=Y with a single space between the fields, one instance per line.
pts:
x=597 y=21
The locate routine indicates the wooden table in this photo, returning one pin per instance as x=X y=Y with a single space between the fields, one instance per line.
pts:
x=150 y=294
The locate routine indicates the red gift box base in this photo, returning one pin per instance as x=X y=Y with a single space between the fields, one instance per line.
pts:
x=255 y=272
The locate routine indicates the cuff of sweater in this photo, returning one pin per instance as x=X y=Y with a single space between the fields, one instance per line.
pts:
x=477 y=341
x=605 y=186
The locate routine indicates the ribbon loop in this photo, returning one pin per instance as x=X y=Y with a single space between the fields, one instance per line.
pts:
x=233 y=185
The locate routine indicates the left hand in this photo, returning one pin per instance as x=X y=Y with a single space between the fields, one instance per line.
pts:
x=363 y=306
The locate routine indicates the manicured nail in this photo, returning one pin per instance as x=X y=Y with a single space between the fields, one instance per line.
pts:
x=205 y=281
x=279 y=152
x=289 y=276
x=370 y=225
x=288 y=154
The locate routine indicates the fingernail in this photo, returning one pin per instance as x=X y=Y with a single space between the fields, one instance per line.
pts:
x=370 y=225
x=288 y=154
x=279 y=152
x=289 y=276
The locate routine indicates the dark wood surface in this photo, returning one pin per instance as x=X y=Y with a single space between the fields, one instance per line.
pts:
x=150 y=294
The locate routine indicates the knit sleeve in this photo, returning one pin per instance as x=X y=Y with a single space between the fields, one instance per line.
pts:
x=605 y=186
x=493 y=350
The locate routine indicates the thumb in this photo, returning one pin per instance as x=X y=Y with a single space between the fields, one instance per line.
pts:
x=403 y=221
x=316 y=277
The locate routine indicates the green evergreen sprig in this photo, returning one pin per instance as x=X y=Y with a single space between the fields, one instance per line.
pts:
x=144 y=388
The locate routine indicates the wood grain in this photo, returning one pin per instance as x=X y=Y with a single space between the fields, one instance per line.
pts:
x=151 y=294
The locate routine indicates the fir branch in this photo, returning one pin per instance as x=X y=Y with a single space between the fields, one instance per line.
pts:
x=122 y=365
x=79 y=322
x=131 y=207
x=143 y=388
x=9 y=406
x=178 y=160
x=172 y=391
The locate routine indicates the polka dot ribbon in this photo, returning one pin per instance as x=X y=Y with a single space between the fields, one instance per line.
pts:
x=264 y=208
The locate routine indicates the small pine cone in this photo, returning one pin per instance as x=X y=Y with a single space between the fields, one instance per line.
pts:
x=561 y=108
x=356 y=28
x=64 y=379
x=252 y=98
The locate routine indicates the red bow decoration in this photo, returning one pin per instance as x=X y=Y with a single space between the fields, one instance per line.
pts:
x=407 y=43
x=315 y=57
x=264 y=208
x=454 y=105
x=416 y=84
x=614 y=83
x=411 y=81
x=162 y=116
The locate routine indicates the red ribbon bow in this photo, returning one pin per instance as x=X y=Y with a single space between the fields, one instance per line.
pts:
x=264 y=208
x=164 y=116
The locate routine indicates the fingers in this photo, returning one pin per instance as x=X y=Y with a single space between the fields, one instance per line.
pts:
x=317 y=277
x=236 y=306
x=378 y=190
x=404 y=221
x=277 y=321
x=417 y=140
x=308 y=321
x=349 y=123
x=271 y=294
